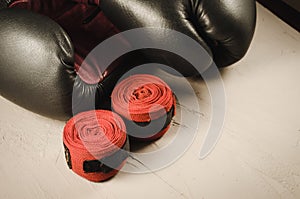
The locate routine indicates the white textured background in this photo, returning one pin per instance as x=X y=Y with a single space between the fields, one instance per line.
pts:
x=258 y=155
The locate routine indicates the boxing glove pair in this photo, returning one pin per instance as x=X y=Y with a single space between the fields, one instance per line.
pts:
x=41 y=56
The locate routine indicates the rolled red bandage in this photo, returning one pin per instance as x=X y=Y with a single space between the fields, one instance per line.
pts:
x=96 y=144
x=147 y=105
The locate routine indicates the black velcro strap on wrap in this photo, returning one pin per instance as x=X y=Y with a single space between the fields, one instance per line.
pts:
x=68 y=156
x=109 y=163
x=104 y=165
x=134 y=128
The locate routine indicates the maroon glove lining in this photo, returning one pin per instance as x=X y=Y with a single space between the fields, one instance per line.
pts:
x=85 y=34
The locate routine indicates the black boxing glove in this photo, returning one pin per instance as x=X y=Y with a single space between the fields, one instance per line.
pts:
x=224 y=28
x=36 y=63
x=37 y=67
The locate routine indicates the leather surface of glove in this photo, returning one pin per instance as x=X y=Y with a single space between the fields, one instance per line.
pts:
x=36 y=63
x=41 y=57
x=224 y=28
x=38 y=70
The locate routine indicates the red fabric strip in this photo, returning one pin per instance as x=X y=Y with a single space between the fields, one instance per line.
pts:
x=94 y=135
x=142 y=98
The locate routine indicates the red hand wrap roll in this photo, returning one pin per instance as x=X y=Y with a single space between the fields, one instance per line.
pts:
x=146 y=103
x=93 y=143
